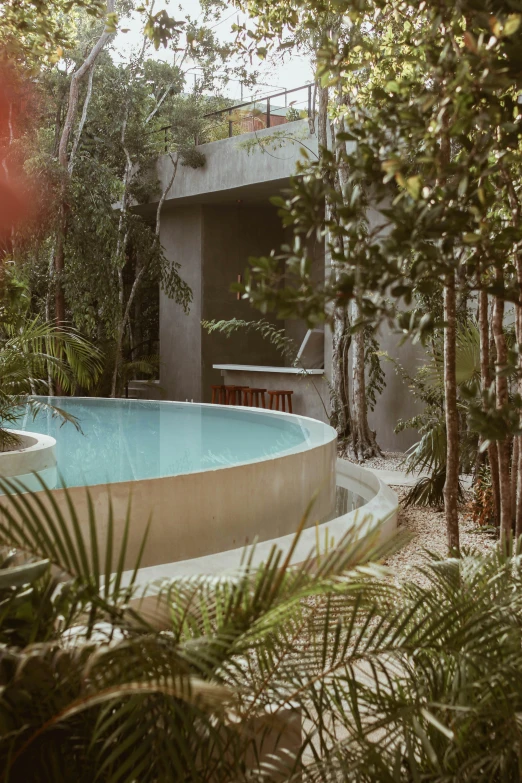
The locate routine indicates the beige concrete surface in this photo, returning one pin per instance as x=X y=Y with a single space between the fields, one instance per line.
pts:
x=381 y=510
x=197 y=514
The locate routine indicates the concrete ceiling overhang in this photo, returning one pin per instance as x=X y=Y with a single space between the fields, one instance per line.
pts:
x=250 y=168
x=259 y=193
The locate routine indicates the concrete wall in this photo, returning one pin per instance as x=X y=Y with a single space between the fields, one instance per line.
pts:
x=239 y=163
x=180 y=334
x=212 y=243
x=380 y=509
x=233 y=233
x=216 y=217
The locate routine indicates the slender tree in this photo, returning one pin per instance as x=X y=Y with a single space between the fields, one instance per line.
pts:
x=66 y=156
x=435 y=104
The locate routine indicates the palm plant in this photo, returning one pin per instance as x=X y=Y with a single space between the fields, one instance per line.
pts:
x=128 y=370
x=429 y=453
x=389 y=681
x=34 y=355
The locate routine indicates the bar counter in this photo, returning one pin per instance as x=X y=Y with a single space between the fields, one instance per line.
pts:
x=310 y=396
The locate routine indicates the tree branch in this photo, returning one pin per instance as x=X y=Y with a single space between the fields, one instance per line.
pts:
x=83 y=119
x=75 y=88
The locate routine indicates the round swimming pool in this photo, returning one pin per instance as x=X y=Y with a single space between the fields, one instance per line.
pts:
x=130 y=440
x=211 y=478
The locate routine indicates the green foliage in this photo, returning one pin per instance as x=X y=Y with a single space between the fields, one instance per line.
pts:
x=429 y=490
x=34 y=31
x=191 y=684
x=25 y=600
x=376 y=383
x=144 y=366
x=37 y=32
x=467 y=358
x=170 y=688
x=427 y=388
x=161 y=28
x=32 y=355
x=193 y=158
x=114 y=258
x=268 y=331
x=427 y=132
x=293 y=114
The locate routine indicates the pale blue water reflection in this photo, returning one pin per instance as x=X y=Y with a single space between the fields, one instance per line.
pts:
x=125 y=440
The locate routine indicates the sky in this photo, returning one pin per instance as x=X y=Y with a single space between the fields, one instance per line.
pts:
x=294 y=72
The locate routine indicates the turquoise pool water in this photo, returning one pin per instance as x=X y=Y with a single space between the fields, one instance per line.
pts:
x=125 y=440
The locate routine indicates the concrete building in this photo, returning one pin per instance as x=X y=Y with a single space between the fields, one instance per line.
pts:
x=214 y=219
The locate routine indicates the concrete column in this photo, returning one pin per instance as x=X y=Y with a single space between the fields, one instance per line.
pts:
x=180 y=334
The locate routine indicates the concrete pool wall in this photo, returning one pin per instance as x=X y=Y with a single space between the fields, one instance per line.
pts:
x=380 y=512
x=201 y=513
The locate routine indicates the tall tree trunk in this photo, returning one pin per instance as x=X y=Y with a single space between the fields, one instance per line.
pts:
x=364 y=444
x=341 y=338
x=59 y=265
x=502 y=395
x=63 y=160
x=485 y=382
x=451 y=486
x=516 y=469
x=83 y=120
x=514 y=480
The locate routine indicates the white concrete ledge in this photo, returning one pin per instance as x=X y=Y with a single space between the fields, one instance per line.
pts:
x=380 y=510
x=262 y=368
x=399 y=478
x=36 y=453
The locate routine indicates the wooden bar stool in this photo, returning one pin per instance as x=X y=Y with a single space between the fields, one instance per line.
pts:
x=254 y=398
x=218 y=394
x=280 y=397
x=234 y=395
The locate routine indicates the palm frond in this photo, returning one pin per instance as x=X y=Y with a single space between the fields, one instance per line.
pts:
x=35 y=524
x=388 y=680
x=429 y=490
x=429 y=454
x=467 y=358
x=38 y=349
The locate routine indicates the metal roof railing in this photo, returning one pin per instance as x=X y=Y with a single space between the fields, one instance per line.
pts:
x=256 y=114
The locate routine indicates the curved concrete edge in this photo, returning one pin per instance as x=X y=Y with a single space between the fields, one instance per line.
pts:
x=216 y=509
x=380 y=510
x=38 y=456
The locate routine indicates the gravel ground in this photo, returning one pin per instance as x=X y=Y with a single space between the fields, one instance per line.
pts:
x=390 y=460
x=427 y=527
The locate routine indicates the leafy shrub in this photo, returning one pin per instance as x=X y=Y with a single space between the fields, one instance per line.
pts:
x=411 y=681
